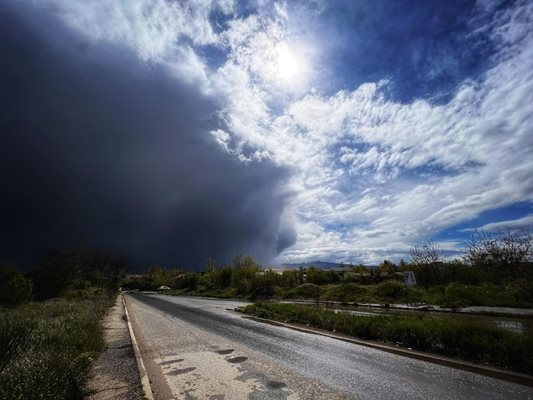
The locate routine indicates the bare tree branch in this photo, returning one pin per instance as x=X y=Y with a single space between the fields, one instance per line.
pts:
x=427 y=253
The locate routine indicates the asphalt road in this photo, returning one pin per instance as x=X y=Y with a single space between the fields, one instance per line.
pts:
x=198 y=349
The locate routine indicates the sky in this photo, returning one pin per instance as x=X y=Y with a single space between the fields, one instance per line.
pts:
x=347 y=131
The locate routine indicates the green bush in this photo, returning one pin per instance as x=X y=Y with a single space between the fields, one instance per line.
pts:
x=321 y=277
x=468 y=340
x=291 y=278
x=263 y=284
x=305 y=291
x=347 y=292
x=511 y=295
x=225 y=277
x=244 y=271
x=80 y=294
x=208 y=280
x=15 y=288
x=188 y=280
x=523 y=293
x=392 y=291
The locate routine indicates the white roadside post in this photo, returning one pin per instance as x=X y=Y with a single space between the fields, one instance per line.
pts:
x=409 y=279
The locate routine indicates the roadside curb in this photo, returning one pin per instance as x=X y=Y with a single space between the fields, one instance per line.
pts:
x=514 y=377
x=145 y=382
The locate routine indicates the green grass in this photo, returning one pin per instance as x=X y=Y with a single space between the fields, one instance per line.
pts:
x=46 y=348
x=454 y=295
x=228 y=293
x=472 y=341
x=390 y=290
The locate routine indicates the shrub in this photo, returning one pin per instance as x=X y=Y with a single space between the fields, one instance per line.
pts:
x=391 y=291
x=208 y=280
x=190 y=280
x=307 y=291
x=225 y=276
x=468 y=340
x=291 y=279
x=15 y=289
x=263 y=285
x=511 y=295
x=321 y=277
x=344 y=292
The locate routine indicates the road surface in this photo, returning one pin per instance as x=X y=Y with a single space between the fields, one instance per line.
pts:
x=197 y=348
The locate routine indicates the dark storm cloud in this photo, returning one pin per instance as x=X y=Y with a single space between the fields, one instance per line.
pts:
x=98 y=149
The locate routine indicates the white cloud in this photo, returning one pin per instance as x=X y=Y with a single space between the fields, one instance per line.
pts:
x=480 y=143
x=158 y=31
x=373 y=176
x=525 y=223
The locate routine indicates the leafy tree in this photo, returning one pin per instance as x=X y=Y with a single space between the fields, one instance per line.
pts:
x=263 y=284
x=210 y=265
x=209 y=280
x=290 y=279
x=387 y=267
x=56 y=271
x=15 y=288
x=333 y=277
x=360 y=268
x=245 y=269
x=225 y=277
x=191 y=280
x=316 y=276
x=52 y=275
x=237 y=261
x=321 y=277
x=187 y=280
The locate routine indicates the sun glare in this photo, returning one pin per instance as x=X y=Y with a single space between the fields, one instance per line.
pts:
x=287 y=64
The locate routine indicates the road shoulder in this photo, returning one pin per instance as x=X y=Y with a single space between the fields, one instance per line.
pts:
x=114 y=375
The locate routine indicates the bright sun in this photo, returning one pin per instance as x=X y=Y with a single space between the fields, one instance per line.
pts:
x=287 y=65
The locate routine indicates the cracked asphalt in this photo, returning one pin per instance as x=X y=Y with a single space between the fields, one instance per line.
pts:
x=196 y=348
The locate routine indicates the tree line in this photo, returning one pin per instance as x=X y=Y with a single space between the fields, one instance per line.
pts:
x=62 y=274
x=495 y=258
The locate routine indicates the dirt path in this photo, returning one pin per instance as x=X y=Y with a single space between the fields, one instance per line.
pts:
x=114 y=375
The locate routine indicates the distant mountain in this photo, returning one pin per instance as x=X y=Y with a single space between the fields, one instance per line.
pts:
x=318 y=264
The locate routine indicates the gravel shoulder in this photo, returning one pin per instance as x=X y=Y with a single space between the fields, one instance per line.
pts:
x=114 y=375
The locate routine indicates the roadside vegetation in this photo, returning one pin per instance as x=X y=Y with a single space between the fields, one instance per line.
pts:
x=50 y=328
x=467 y=340
x=496 y=270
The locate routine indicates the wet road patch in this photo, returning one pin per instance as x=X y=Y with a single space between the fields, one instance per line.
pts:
x=227 y=351
x=171 y=361
x=236 y=360
x=275 y=385
x=181 y=371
